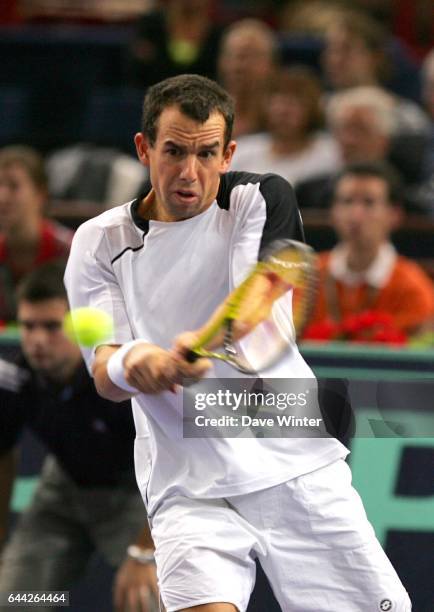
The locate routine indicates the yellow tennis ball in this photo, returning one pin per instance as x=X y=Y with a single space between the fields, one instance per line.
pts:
x=88 y=326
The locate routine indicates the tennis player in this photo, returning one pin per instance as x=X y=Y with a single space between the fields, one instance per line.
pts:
x=161 y=265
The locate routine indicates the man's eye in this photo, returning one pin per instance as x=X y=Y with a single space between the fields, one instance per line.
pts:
x=53 y=326
x=49 y=326
x=173 y=152
x=26 y=326
x=207 y=154
x=370 y=202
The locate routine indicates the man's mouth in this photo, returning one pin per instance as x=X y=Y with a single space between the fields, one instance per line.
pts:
x=38 y=356
x=186 y=195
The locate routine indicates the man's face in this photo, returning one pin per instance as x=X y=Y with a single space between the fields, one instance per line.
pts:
x=185 y=163
x=286 y=115
x=362 y=214
x=43 y=341
x=20 y=198
x=358 y=136
x=347 y=61
x=245 y=62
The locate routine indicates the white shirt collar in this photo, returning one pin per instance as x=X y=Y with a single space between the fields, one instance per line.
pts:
x=376 y=275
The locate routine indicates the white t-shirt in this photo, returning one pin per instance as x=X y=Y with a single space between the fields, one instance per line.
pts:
x=159 y=279
x=254 y=154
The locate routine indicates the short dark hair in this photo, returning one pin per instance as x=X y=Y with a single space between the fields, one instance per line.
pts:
x=43 y=283
x=381 y=170
x=196 y=96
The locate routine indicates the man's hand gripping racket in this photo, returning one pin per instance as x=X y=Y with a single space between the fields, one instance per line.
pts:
x=253 y=312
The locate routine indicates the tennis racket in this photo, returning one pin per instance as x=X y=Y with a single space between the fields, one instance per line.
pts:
x=265 y=313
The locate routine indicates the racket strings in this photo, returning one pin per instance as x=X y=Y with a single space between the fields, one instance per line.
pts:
x=276 y=322
x=228 y=341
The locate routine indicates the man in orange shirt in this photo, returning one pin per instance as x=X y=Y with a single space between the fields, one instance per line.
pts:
x=364 y=272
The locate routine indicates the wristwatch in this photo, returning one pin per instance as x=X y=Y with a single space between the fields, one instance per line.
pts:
x=141 y=555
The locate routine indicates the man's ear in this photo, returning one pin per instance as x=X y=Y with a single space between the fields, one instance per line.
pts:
x=142 y=148
x=227 y=156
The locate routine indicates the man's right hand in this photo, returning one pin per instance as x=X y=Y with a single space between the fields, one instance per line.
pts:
x=151 y=369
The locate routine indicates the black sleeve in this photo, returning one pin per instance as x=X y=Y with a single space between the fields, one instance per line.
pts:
x=335 y=405
x=11 y=419
x=283 y=215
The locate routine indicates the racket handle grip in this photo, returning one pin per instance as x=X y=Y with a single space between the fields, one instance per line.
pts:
x=191 y=356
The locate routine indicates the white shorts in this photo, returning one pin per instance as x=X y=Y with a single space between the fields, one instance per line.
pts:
x=310 y=534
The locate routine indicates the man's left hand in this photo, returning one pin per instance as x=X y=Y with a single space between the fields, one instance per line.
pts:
x=135 y=587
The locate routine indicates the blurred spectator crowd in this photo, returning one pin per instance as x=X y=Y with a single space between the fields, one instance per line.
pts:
x=334 y=96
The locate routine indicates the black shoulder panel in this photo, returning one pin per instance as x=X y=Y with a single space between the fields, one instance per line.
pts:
x=230 y=180
x=283 y=216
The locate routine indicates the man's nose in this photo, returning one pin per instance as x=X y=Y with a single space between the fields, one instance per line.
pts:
x=189 y=168
x=39 y=336
x=358 y=210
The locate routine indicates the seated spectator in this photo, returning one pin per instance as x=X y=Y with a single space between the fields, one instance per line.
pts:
x=294 y=145
x=428 y=99
x=422 y=196
x=364 y=272
x=363 y=124
x=27 y=239
x=355 y=55
x=87 y=498
x=178 y=38
x=247 y=63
